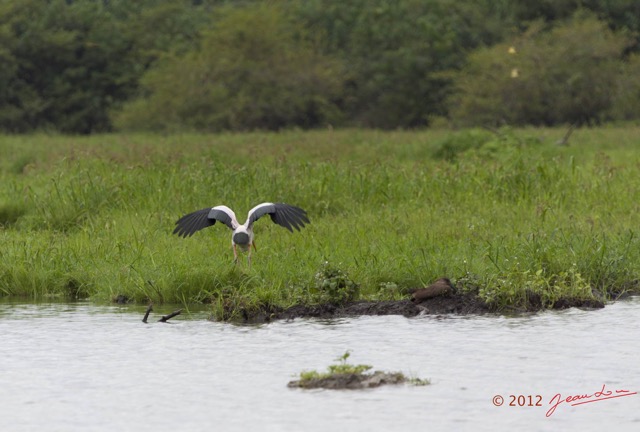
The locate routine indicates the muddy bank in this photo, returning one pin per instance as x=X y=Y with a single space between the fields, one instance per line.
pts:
x=456 y=304
x=453 y=303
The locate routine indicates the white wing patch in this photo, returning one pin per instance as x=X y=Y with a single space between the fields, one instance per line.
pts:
x=257 y=207
x=228 y=211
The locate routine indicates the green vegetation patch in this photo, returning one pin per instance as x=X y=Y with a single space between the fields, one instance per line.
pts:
x=343 y=375
x=516 y=220
x=85 y=66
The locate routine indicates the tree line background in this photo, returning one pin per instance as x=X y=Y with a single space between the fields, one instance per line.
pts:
x=84 y=66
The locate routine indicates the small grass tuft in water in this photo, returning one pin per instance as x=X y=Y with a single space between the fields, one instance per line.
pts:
x=418 y=381
x=343 y=375
x=340 y=368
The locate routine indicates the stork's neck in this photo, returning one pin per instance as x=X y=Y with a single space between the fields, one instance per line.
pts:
x=243 y=228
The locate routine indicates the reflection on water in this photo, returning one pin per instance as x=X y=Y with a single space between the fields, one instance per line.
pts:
x=81 y=367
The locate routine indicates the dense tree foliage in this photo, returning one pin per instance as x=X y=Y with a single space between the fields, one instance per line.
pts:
x=65 y=64
x=254 y=69
x=397 y=52
x=83 y=66
x=564 y=75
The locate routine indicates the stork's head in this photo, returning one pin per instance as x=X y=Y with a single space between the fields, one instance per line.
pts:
x=241 y=239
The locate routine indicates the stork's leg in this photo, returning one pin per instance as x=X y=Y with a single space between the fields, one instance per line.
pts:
x=255 y=249
x=249 y=258
x=235 y=255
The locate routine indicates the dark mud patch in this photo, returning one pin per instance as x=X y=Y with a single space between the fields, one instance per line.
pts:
x=462 y=304
x=350 y=381
x=579 y=303
x=534 y=303
x=453 y=303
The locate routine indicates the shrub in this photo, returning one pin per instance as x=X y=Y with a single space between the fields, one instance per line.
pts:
x=564 y=75
x=334 y=285
x=255 y=69
x=626 y=95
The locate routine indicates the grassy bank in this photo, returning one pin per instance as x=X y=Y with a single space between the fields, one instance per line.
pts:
x=511 y=215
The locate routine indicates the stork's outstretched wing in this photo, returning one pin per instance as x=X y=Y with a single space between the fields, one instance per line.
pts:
x=189 y=224
x=282 y=214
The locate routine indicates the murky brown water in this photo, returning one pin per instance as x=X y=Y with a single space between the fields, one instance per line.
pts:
x=79 y=367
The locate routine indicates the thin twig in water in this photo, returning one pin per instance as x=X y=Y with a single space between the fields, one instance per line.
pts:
x=171 y=315
x=146 y=314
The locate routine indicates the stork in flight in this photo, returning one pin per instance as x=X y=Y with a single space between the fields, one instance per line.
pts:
x=285 y=215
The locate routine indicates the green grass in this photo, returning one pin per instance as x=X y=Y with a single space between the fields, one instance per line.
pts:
x=309 y=379
x=507 y=215
x=341 y=367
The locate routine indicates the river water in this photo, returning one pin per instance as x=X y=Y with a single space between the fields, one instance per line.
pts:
x=82 y=367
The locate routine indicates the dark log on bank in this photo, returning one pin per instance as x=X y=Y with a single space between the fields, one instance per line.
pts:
x=440 y=287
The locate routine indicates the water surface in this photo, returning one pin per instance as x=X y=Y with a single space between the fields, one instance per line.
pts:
x=68 y=367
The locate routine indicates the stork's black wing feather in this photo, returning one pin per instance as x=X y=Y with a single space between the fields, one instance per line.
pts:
x=295 y=215
x=282 y=214
x=291 y=218
x=279 y=216
x=300 y=214
x=189 y=224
